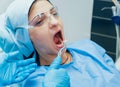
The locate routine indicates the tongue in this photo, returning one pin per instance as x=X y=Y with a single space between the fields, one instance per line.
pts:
x=57 y=39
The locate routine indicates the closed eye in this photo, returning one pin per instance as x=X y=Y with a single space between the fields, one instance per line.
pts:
x=38 y=23
x=55 y=13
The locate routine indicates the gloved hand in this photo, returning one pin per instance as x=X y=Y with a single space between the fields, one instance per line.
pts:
x=116 y=19
x=56 y=77
x=13 y=70
x=116 y=14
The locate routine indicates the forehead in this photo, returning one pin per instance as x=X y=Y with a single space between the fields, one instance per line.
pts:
x=40 y=6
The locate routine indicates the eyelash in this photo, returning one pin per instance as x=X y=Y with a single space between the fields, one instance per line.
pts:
x=55 y=13
x=39 y=22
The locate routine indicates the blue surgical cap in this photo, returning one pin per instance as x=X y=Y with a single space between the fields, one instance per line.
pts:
x=6 y=42
x=17 y=25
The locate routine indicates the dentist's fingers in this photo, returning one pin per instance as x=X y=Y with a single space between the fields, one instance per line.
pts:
x=26 y=62
x=26 y=68
x=12 y=56
x=23 y=73
x=56 y=63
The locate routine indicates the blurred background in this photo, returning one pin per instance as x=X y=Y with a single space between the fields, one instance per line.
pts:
x=85 y=19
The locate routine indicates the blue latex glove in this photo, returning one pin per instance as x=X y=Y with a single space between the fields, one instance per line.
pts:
x=116 y=19
x=56 y=77
x=116 y=14
x=13 y=70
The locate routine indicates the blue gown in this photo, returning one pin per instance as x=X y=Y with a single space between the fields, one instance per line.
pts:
x=90 y=67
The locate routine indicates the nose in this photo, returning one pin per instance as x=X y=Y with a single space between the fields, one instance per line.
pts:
x=53 y=21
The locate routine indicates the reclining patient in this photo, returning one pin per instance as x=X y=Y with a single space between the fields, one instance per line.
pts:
x=38 y=31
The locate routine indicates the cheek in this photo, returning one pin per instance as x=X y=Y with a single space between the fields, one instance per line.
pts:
x=39 y=37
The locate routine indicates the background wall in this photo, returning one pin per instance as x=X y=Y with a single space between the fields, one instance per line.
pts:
x=4 y=4
x=76 y=16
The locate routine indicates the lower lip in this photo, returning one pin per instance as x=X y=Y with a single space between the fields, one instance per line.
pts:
x=60 y=46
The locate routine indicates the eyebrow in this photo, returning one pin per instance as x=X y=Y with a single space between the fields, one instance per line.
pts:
x=52 y=8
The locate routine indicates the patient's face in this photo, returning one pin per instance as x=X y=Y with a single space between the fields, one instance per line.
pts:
x=47 y=32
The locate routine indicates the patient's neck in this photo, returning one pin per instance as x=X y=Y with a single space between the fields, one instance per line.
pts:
x=66 y=58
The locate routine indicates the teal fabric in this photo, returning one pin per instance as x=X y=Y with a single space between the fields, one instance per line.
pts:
x=16 y=23
x=56 y=77
x=90 y=67
x=14 y=37
x=6 y=41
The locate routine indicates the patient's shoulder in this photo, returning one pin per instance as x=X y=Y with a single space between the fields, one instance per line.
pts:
x=88 y=46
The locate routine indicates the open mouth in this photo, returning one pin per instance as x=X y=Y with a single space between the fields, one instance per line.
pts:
x=58 y=38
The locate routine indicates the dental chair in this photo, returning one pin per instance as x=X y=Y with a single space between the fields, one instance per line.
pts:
x=116 y=20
